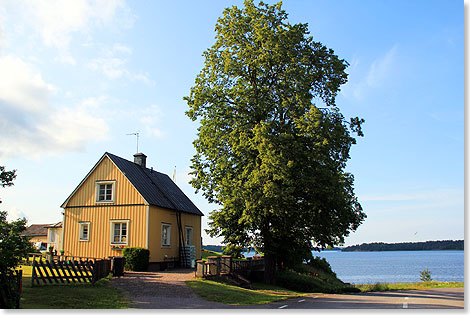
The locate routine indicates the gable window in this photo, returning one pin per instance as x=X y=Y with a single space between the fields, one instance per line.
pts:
x=119 y=232
x=188 y=237
x=166 y=235
x=84 y=228
x=105 y=191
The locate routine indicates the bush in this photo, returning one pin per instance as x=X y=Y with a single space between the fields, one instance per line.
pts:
x=425 y=275
x=322 y=264
x=136 y=258
x=312 y=282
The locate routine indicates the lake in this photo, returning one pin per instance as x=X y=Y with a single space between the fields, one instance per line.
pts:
x=394 y=266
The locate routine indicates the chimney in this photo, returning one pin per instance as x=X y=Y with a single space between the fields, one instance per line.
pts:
x=140 y=159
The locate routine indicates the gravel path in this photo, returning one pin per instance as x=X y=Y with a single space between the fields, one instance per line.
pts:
x=163 y=290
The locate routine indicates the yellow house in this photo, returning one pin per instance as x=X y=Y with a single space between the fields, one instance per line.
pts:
x=120 y=204
x=44 y=236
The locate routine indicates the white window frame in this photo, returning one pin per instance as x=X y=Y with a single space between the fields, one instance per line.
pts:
x=166 y=244
x=186 y=229
x=51 y=233
x=97 y=190
x=80 y=231
x=111 y=234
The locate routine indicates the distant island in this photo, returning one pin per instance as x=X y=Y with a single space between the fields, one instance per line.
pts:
x=379 y=247
x=429 y=245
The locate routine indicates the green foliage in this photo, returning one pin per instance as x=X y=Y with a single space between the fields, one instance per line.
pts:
x=136 y=258
x=425 y=275
x=233 y=250
x=272 y=145
x=321 y=264
x=311 y=282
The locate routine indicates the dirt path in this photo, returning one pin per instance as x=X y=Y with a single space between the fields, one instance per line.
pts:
x=164 y=290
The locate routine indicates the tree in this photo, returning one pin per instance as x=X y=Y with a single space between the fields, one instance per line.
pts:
x=13 y=246
x=272 y=145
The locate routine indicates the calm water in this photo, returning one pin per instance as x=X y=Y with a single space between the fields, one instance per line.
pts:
x=394 y=266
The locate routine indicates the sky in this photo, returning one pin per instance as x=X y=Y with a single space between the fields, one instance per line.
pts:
x=77 y=76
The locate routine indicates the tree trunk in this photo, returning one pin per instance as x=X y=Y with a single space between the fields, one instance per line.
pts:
x=269 y=268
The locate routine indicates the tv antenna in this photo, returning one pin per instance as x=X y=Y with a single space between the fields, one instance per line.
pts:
x=137 y=136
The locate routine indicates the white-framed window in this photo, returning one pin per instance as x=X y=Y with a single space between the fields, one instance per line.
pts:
x=188 y=235
x=120 y=232
x=105 y=191
x=166 y=235
x=84 y=230
x=51 y=235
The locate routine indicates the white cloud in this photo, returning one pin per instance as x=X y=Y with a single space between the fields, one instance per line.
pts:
x=15 y=214
x=57 y=20
x=113 y=65
x=31 y=125
x=378 y=73
x=149 y=118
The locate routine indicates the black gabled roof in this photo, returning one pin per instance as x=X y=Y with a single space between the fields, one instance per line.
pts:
x=155 y=187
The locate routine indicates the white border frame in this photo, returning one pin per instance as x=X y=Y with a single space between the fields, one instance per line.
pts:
x=111 y=231
x=97 y=191
x=169 y=235
x=80 y=231
x=189 y=227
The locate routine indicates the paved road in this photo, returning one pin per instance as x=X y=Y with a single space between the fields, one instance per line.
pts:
x=446 y=298
x=167 y=290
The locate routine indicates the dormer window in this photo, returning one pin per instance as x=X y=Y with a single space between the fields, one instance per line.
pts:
x=105 y=191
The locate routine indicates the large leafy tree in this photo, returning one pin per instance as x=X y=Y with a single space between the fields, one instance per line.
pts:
x=272 y=145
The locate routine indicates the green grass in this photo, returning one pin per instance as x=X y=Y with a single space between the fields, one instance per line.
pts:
x=71 y=296
x=208 y=253
x=407 y=286
x=216 y=291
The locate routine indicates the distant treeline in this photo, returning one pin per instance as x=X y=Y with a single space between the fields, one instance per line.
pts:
x=429 y=245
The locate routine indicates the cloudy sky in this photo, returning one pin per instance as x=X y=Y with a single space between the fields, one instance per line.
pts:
x=77 y=76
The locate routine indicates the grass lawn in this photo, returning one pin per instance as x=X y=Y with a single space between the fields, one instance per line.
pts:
x=216 y=291
x=208 y=253
x=71 y=296
x=408 y=286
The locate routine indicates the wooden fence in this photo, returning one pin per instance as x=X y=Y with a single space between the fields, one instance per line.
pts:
x=69 y=271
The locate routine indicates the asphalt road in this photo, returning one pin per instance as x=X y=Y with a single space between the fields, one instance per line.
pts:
x=446 y=298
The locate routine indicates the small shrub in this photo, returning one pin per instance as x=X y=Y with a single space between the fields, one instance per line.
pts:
x=322 y=264
x=425 y=275
x=136 y=258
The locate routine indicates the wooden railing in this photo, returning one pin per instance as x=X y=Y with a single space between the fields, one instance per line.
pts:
x=225 y=265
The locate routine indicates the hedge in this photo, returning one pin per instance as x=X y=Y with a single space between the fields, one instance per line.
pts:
x=136 y=258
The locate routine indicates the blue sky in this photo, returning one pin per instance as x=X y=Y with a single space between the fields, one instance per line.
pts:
x=77 y=76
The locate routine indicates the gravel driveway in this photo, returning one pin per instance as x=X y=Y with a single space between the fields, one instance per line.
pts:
x=164 y=290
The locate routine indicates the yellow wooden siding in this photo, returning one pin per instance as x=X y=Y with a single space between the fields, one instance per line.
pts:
x=157 y=216
x=125 y=193
x=36 y=239
x=99 y=244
